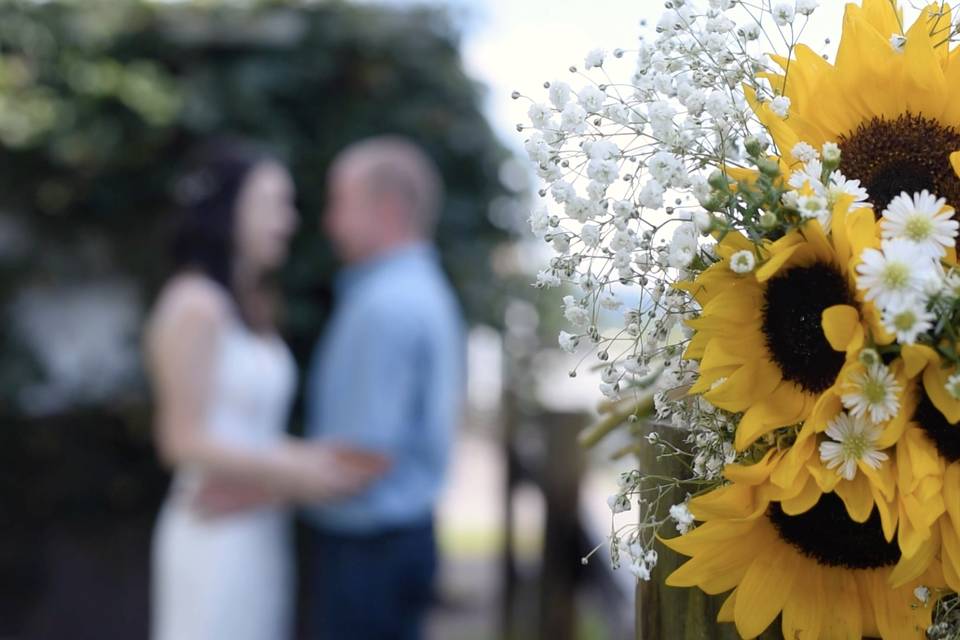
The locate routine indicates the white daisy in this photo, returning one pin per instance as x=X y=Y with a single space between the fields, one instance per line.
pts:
x=923 y=220
x=854 y=442
x=908 y=322
x=815 y=207
x=742 y=261
x=839 y=186
x=892 y=276
x=872 y=392
x=810 y=173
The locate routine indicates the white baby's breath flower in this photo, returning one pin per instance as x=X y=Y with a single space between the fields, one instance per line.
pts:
x=611 y=391
x=547 y=279
x=575 y=313
x=853 y=443
x=780 y=106
x=594 y=58
x=750 y=31
x=651 y=195
x=703 y=220
x=923 y=220
x=619 y=502
x=640 y=570
x=682 y=516
x=559 y=93
x=573 y=118
x=743 y=261
x=873 y=393
x=591 y=98
x=539 y=114
x=892 y=276
x=898 y=42
x=831 y=152
x=590 y=235
x=807 y=7
x=803 y=152
x=683 y=246
x=539 y=221
x=610 y=302
x=922 y=594
x=568 y=341
x=562 y=191
x=953 y=386
x=784 y=13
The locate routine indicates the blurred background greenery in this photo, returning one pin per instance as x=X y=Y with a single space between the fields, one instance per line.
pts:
x=99 y=102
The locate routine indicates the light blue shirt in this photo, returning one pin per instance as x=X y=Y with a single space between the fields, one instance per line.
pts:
x=388 y=376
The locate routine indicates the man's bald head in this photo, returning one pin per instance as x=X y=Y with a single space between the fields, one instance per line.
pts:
x=393 y=168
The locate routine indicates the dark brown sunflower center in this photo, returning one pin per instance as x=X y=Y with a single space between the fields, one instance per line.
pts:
x=911 y=153
x=792 y=310
x=826 y=534
x=944 y=436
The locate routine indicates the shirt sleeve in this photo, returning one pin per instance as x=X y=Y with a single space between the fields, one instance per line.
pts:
x=384 y=380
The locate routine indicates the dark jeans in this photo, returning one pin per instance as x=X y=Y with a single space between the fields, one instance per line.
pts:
x=371 y=587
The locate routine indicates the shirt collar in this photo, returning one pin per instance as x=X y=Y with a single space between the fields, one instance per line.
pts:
x=392 y=259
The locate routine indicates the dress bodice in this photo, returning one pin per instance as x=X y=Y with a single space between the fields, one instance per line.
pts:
x=254 y=377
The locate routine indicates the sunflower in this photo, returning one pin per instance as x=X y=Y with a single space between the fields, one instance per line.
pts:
x=891 y=104
x=929 y=481
x=828 y=575
x=771 y=342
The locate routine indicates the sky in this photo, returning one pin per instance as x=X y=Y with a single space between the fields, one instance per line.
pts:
x=519 y=44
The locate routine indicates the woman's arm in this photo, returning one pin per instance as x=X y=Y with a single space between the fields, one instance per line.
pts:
x=182 y=347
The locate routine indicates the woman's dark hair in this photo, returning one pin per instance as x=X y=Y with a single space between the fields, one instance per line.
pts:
x=206 y=194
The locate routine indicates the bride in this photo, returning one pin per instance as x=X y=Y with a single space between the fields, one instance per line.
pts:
x=223 y=382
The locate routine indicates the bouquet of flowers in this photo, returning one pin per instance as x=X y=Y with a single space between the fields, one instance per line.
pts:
x=776 y=227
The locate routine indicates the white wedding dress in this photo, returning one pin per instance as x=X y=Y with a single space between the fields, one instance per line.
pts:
x=229 y=578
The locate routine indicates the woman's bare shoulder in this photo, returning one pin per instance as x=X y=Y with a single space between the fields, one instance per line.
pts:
x=189 y=298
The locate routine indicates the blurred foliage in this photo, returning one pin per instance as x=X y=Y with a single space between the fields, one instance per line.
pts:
x=100 y=100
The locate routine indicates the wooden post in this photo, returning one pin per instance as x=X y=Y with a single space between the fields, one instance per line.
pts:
x=670 y=612
x=561 y=489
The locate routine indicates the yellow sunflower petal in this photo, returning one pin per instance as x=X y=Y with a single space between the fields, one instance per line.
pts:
x=726 y=611
x=935 y=384
x=731 y=501
x=925 y=86
x=765 y=589
x=916 y=357
x=803 y=612
x=950 y=554
x=785 y=405
x=894 y=609
x=753 y=474
x=951 y=493
x=717 y=570
x=790 y=466
x=913 y=566
x=709 y=534
x=772 y=266
x=840 y=325
x=842 y=619
x=803 y=501
x=857 y=497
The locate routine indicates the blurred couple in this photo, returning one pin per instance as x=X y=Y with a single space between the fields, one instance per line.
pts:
x=383 y=398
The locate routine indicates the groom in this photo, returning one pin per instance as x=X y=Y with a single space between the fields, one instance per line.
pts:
x=387 y=376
